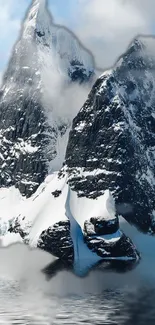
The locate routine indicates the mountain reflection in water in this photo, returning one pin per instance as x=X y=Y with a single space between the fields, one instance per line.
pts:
x=67 y=299
x=116 y=266
x=107 y=295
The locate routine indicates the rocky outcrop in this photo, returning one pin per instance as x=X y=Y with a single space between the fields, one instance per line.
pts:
x=79 y=231
x=100 y=226
x=104 y=237
x=121 y=249
x=57 y=241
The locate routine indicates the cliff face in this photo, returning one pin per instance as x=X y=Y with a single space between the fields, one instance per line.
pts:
x=45 y=56
x=112 y=141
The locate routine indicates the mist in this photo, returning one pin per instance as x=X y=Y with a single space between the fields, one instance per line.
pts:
x=62 y=99
x=22 y=264
x=28 y=295
x=107 y=27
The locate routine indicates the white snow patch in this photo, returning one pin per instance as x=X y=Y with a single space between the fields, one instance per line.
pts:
x=48 y=210
x=111 y=237
x=118 y=126
x=61 y=146
x=153 y=115
x=80 y=126
x=84 y=208
x=25 y=147
x=10 y=200
x=10 y=239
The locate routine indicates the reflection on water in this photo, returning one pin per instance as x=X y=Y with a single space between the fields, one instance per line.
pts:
x=103 y=266
x=29 y=305
x=101 y=298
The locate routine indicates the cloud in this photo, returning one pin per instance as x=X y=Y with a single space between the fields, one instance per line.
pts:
x=107 y=27
x=7 y=22
x=1 y=75
x=11 y=13
x=62 y=103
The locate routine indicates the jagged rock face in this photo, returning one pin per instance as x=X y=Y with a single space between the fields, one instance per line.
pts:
x=121 y=248
x=104 y=237
x=28 y=136
x=57 y=241
x=112 y=141
x=22 y=144
x=97 y=226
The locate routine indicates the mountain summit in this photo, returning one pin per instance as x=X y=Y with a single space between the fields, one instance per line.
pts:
x=112 y=141
x=35 y=19
x=34 y=125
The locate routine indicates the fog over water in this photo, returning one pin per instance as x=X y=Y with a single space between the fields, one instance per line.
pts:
x=27 y=296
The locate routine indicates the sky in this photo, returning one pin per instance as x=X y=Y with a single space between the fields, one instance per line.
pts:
x=106 y=27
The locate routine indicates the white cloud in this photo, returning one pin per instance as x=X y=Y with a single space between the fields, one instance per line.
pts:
x=11 y=13
x=104 y=26
x=8 y=24
x=107 y=27
x=1 y=75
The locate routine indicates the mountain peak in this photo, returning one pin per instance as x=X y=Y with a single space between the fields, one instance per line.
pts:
x=120 y=107
x=37 y=5
x=45 y=61
x=139 y=55
x=142 y=44
x=35 y=18
x=39 y=2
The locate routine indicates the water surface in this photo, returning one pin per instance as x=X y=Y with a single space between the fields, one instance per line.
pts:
x=28 y=296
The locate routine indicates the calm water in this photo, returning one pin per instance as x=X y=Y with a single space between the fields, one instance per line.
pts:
x=28 y=297
x=19 y=305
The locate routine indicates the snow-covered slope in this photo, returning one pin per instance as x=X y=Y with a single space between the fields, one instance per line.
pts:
x=80 y=231
x=35 y=111
x=112 y=141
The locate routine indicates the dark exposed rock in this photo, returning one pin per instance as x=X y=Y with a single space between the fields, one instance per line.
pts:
x=40 y=34
x=28 y=137
x=16 y=228
x=23 y=142
x=112 y=141
x=105 y=239
x=56 y=193
x=121 y=248
x=57 y=241
x=98 y=226
x=78 y=73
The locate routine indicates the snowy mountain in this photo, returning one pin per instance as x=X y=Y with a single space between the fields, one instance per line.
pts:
x=70 y=211
x=112 y=141
x=35 y=111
